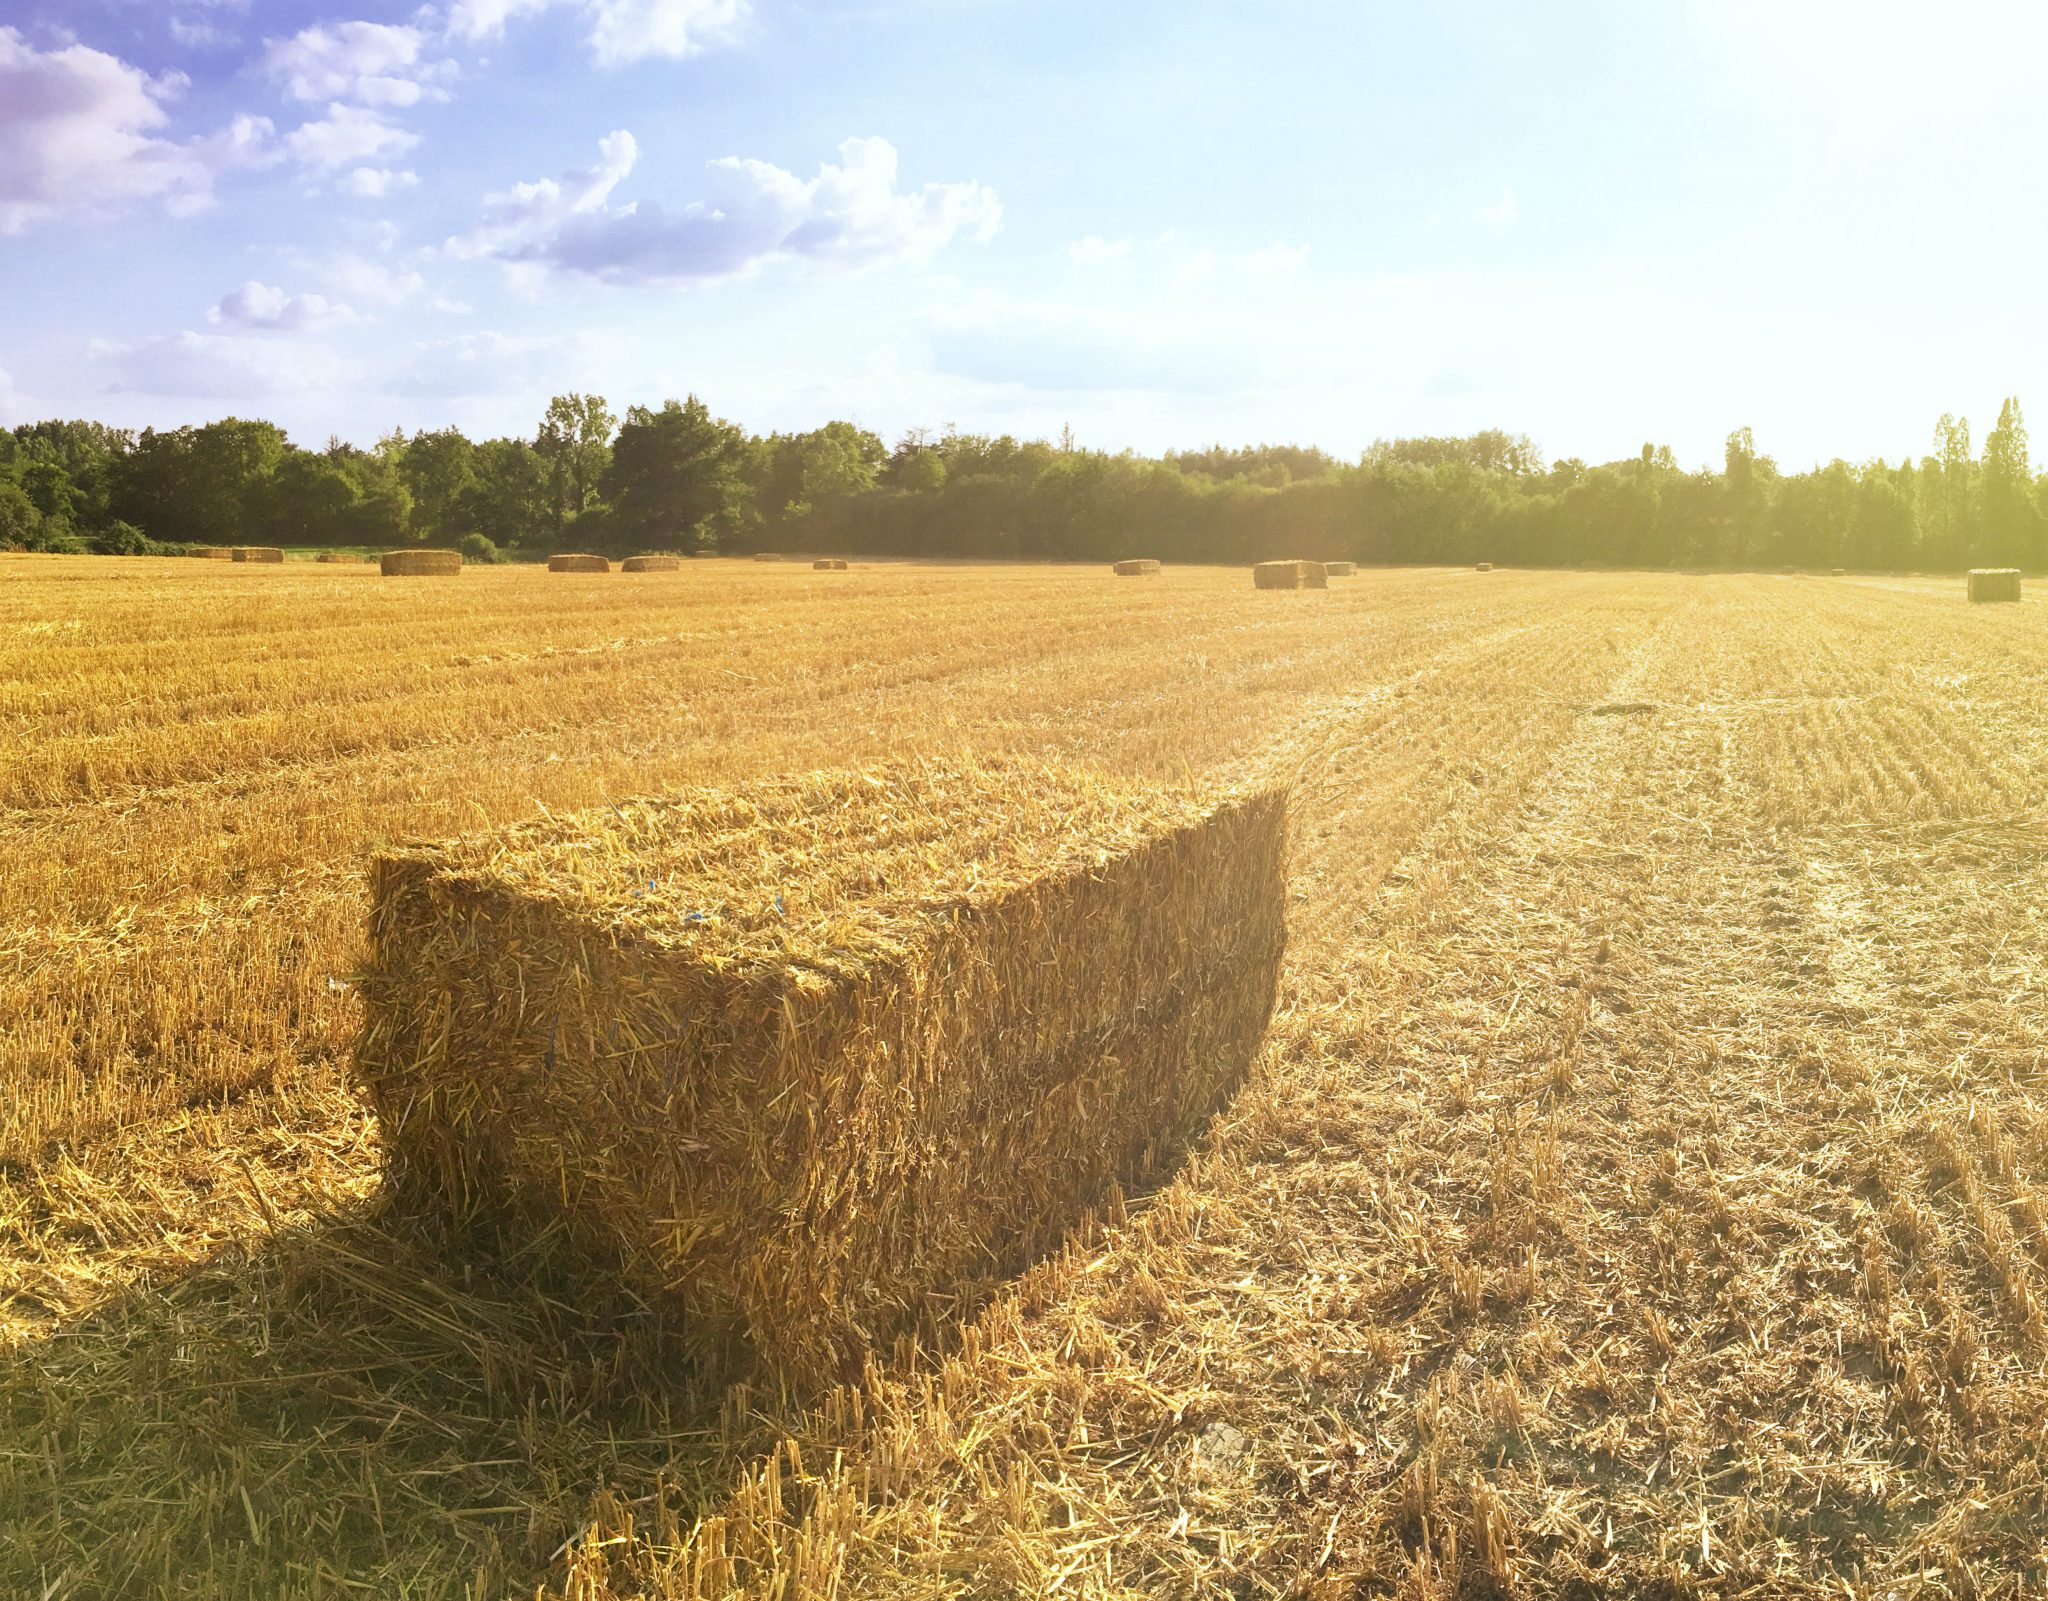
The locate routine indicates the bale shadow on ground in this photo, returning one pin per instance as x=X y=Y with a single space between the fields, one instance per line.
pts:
x=352 y=1407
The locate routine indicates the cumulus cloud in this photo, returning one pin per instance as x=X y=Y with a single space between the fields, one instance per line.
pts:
x=369 y=63
x=620 y=31
x=345 y=136
x=259 y=306
x=80 y=129
x=367 y=279
x=373 y=183
x=1094 y=250
x=219 y=366
x=850 y=216
x=483 y=364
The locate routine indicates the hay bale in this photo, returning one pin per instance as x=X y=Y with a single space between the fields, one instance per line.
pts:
x=1838 y=572
x=829 y=564
x=339 y=555
x=1482 y=567
x=1340 y=569
x=214 y=553
x=1290 y=575
x=809 y=1059
x=420 y=563
x=1994 y=583
x=766 y=555
x=578 y=562
x=1137 y=567
x=258 y=553
x=650 y=564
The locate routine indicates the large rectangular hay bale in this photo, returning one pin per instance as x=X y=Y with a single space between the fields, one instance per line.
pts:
x=650 y=564
x=1290 y=575
x=576 y=561
x=339 y=556
x=257 y=553
x=818 y=1059
x=1340 y=569
x=1137 y=567
x=420 y=563
x=1994 y=583
x=214 y=552
x=1482 y=567
x=829 y=564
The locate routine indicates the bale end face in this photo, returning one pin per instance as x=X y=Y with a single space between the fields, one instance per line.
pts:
x=1341 y=569
x=420 y=563
x=800 y=1059
x=578 y=562
x=650 y=564
x=1290 y=575
x=1994 y=583
x=1136 y=567
x=1482 y=567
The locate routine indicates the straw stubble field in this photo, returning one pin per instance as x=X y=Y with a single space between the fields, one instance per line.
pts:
x=1640 y=1190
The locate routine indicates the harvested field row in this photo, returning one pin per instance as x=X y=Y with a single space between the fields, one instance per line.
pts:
x=1637 y=1077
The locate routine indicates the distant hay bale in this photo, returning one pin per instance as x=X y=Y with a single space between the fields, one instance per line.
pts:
x=829 y=564
x=213 y=552
x=1482 y=567
x=804 y=1060
x=1837 y=572
x=1136 y=567
x=1994 y=583
x=1290 y=575
x=420 y=563
x=578 y=562
x=1341 y=569
x=766 y=555
x=260 y=553
x=650 y=564
x=339 y=555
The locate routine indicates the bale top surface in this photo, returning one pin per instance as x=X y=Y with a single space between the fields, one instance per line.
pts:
x=831 y=870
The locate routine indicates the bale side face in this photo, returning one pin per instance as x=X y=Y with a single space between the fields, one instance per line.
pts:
x=338 y=556
x=809 y=1127
x=1290 y=575
x=1483 y=567
x=420 y=563
x=1994 y=583
x=1137 y=567
x=828 y=564
x=257 y=553
x=578 y=562
x=650 y=564
x=215 y=553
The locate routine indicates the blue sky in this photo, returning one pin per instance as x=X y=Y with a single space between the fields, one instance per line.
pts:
x=1164 y=224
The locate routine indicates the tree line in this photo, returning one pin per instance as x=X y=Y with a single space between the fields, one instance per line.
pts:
x=676 y=477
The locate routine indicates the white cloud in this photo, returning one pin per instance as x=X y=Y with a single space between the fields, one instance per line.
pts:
x=1502 y=212
x=223 y=366
x=79 y=130
x=366 y=279
x=518 y=218
x=373 y=183
x=485 y=364
x=196 y=33
x=850 y=216
x=346 y=135
x=370 y=63
x=621 y=31
x=14 y=405
x=477 y=20
x=1095 y=250
x=259 y=306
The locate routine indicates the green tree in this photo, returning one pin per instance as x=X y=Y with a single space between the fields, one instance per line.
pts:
x=675 y=478
x=2009 y=521
x=1953 y=499
x=574 y=440
x=437 y=469
x=508 y=499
